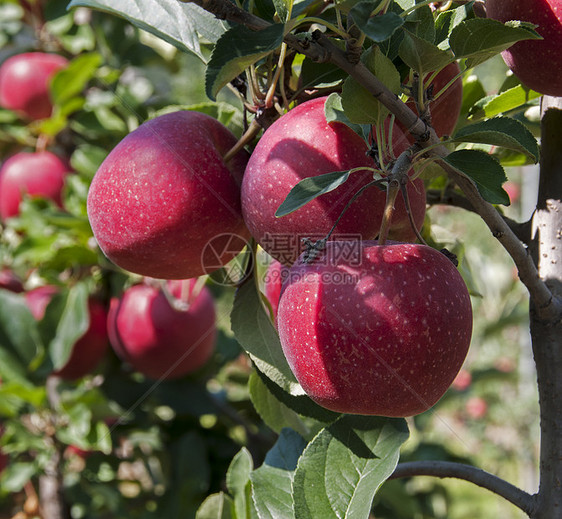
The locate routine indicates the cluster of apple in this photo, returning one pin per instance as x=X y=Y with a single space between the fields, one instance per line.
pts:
x=160 y=332
x=366 y=328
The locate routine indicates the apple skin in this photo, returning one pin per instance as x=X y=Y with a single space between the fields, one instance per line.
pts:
x=382 y=332
x=37 y=174
x=10 y=281
x=537 y=63
x=24 y=83
x=302 y=144
x=90 y=349
x=152 y=336
x=164 y=194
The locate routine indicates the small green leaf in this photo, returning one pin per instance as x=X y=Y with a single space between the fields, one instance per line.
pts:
x=216 y=506
x=340 y=471
x=71 y=309
x=236 y=50
x=378 y=28
x=360 y=106
x=178 y=23
x=511 y=99
x=238 y=480
x=501 y=131
x=421 y=55
x=255 y=332
x=16 y=475
x=472 y=91
x=486 y=172
x=421 y=23
x=272 y=482
x=272 y=411
x=310 y=188
x=479 y=39
x=333 y=110
x=448 y=20
x=71 y=81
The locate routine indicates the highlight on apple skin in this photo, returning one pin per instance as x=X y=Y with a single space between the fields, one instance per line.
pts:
x=376 y=329
x=24 y=83
x=157 y=339
x=164 y=204
x=303 y=144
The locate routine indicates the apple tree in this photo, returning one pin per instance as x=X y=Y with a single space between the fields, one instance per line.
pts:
x=281 y=310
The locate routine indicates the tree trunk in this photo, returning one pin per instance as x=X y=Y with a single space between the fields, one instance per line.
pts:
x=547 y=335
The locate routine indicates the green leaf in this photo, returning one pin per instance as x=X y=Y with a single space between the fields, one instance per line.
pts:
x=340 y=471
x=501 y=131
x=509 y=100
x=421 y=55
x=421 y=23
x=236 y=50
x=16 y=475
x=479 y=39
x=272 y=482
x=310 y=188
x=472 y=91
x=360 y=106
x=275 y=414
x=178 y=23
x=378 y=28
x=71 y=81
x=486 y=172
x=255 y=332
x=18 y=328
x=216 y=506
x=448 y=20
x=333 y=110
x=69 y=310
x=238 y=481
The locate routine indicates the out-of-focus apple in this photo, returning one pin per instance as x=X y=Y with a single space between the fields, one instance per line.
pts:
x=37 y=174
x=89 y=350
x=24 y=83
x=164 y=204
x=157 y=339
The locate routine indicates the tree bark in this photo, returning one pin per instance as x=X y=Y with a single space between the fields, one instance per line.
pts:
x=547 y=335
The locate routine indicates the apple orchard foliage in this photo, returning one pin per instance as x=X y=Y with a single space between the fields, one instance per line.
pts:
x=359 y=336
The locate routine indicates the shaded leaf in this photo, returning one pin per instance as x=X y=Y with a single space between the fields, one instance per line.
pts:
x=216 y=506
x=501 y=131
x=236 y=50
x=421 y=55
x=378 y=28
x=479 y=39
x=486 y=172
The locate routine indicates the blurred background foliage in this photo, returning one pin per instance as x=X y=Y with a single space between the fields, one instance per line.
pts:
x=137 y=449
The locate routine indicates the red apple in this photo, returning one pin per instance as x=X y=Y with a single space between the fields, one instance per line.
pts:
x=164 y=204
x=537 y=63
x=158 y=340
x=39 y=174
x=462 y=380
x=24 y=83
x=302 y=144
x=275 y=276
x=476 y=407
x=89 y=350
x=375 y=330
x=446 y=109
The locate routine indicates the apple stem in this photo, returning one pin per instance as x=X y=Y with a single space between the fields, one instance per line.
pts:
x=392 y=191
x=177 y=304
x=248 y=137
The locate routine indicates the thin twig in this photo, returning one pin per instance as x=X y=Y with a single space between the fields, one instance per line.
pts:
x=449 y=469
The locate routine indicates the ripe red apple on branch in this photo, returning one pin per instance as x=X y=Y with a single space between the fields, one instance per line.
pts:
x=375 y=329
x=164 y=204
x=36 y=174
x=537 y=63
x=90 y=349
x=302 y=144
x=157 y=339
x=24 y=83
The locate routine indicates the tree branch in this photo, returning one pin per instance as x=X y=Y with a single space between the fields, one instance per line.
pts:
x=321 y=49
x=449 y=469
